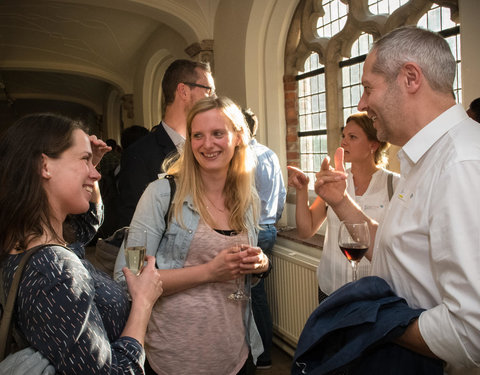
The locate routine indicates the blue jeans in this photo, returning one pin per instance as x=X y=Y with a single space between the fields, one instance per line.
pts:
x=261 y=311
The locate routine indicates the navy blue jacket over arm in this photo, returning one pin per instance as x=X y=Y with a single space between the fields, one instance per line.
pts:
x=352 y=332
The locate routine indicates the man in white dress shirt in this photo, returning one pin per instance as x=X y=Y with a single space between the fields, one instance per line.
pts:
x=428 y=246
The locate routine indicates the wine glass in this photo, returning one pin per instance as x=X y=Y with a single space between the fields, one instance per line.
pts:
x=239 y=294
x=135 y=241
x=354 y=240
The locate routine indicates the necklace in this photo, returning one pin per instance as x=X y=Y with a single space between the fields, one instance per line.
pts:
x=218 y=209
x=363 y=185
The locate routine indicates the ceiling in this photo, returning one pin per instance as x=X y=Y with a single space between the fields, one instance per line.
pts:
x=78 y=51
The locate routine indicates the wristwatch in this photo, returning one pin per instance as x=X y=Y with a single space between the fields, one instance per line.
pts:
x=265 y=273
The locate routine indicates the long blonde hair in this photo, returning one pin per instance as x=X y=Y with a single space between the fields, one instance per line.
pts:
x=240 y=193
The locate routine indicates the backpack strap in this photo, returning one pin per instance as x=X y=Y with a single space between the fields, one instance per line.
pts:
x=173 y=188
x=6 y=325
x=390 y=186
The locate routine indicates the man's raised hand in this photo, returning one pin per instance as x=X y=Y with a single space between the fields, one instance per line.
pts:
x=331 y=183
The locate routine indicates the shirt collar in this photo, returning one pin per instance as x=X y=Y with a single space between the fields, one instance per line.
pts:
x=421 y=142
x=176 y=138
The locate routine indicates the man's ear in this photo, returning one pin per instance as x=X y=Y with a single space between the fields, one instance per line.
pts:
x=412 y=76
x=182 y=91
x=45 y=167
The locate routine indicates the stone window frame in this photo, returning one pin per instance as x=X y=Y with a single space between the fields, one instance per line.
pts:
x=302 y=40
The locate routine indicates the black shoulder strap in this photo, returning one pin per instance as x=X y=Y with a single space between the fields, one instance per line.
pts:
x=390 y=186
x=173 y=188
x=6 y=323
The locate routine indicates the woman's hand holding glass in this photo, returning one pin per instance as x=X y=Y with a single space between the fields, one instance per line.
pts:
x=253 y=260
x=225 y=266
x=146 y=287
x=239 y=294
x=233 y=263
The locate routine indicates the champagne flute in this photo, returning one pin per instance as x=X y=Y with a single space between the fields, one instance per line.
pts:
x=354 y=240
x=135 y=241
x=239 y=294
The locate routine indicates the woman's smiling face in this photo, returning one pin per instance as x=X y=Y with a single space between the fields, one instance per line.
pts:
x=213 y=141
x=70 y=179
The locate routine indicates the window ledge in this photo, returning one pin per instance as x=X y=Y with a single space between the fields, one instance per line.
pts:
x=291 y=233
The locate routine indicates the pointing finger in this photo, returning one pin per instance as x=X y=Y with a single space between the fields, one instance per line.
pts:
x=325 y=164
x=339 y=166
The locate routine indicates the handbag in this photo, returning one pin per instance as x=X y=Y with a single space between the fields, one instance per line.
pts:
x=27 y=360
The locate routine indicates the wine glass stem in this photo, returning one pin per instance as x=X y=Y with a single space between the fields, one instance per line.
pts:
x=354 y=270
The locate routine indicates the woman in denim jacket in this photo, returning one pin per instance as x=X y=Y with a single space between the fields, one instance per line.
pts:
x=196 y=328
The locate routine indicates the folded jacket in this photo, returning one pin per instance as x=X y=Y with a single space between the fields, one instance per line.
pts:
x=352 y=332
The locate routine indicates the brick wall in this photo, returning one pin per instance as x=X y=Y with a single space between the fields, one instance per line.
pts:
x=291 y=116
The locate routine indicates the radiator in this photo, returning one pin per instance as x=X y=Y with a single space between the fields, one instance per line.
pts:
x=292 y=291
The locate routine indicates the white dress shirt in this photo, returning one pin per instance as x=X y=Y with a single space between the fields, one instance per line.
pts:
x=334 y=270
x=177 y=139
x=428 y=246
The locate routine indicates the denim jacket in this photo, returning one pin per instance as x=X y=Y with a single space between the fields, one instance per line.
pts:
x=170 y=247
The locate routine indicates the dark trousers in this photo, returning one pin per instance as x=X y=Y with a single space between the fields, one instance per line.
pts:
x=261 y=310
x=148 y=369
x=249 y=367
x=321 y=295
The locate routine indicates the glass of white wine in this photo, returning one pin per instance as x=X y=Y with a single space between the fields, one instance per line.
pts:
x=135 y=243
x=240 y=294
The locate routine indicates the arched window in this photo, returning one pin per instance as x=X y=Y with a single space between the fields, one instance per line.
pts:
x=333 y=41
x=439 y=19
x=351 y=69
x=312 y=116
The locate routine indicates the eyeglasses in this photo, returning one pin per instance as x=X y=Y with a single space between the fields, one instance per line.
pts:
x=209 y=89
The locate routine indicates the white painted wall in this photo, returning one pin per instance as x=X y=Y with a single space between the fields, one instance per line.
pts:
x=469 y=11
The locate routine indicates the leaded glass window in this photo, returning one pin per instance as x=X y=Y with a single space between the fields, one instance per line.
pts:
x=312 y=102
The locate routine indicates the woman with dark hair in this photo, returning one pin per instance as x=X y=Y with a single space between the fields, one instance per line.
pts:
x=473 y=110
x=195 y=328
x=367 y=183
x=75 y=316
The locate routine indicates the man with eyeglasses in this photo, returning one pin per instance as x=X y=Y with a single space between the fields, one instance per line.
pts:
x=184 y=83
